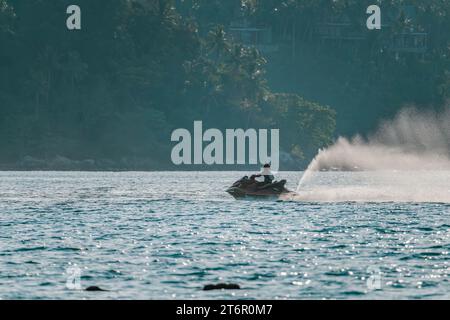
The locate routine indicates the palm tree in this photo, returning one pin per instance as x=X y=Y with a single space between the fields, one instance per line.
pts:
x=217 y=43
x=37 y=85
x=74 y=69
x=48 y=63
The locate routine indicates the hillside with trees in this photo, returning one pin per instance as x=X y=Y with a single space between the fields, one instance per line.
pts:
x=325 y=53
x=107 y=97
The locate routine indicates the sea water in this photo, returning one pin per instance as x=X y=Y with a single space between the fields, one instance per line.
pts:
x=164 y=235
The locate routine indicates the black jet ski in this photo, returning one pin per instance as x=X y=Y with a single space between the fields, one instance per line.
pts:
x=250 y=188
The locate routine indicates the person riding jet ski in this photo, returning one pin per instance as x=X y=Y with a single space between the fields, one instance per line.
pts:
x=266 y=173
x=250 y=187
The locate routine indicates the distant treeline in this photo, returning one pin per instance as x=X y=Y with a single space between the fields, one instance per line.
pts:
x=108 y=96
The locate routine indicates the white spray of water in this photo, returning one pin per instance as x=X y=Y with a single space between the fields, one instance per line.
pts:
x=412 y=142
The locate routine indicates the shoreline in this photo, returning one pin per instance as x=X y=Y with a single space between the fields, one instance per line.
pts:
x=61 y=163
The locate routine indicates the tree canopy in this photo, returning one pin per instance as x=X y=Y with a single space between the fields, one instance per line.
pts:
x=113 y=91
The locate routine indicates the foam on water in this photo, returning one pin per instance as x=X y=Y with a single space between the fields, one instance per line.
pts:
x=377 y=186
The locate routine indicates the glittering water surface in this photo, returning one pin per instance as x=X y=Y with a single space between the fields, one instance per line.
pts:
x=165 y=235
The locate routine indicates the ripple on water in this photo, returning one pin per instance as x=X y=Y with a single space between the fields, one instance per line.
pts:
x=125 y=236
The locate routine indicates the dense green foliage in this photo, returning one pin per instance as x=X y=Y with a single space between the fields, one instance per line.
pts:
x=137 y=70
x=363 y=80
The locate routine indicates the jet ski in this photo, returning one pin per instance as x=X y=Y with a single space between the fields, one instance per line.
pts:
x=250 y=188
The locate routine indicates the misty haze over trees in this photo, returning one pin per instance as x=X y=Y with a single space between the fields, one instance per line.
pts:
x=108 y=96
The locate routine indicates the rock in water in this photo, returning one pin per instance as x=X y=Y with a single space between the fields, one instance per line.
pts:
x=94 y=288
x=226 y=286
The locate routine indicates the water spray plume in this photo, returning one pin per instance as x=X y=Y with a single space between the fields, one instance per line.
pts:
x=412 y=141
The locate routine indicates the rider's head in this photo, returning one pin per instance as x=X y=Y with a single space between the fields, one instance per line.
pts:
x=267 y=165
